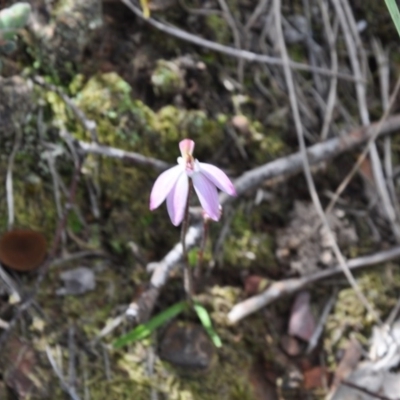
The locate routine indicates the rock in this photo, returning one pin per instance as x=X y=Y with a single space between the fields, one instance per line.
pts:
x=60 y=44
x=187 y=345
x=77 y=281
x=290 y=345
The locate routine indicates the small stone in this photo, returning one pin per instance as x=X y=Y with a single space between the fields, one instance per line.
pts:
x=326 y=257
x=77 y=281
x=290 y=345
x=282 y=253
x=187 y=345
x=294 y=243
x=241 y=123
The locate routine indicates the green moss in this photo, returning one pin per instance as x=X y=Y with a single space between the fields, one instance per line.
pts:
x=246 y=246
x=350 y=316
x=265 y=145
x=174 y=124
x=107 y=100
x=167 y=78
x=61 y=114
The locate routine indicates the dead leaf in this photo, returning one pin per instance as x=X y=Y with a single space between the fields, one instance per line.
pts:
x=314 y=378
x=302 y=322
x=347 y=364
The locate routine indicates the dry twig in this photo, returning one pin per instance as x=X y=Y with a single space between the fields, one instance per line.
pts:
x=236 y=35
x=87 y=123
x=9 y=180
x=69 y=389
x=113 y=152
x=331 y=38
x=312 y=343
x=287 y=287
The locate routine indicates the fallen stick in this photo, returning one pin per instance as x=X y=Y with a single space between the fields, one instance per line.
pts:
x=317 y=153
x=289 y=286
x=250 y=180
x=114 y=152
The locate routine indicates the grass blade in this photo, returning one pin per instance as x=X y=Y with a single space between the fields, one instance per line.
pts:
x=205 y=320
x=144 y=330
x=394 y=13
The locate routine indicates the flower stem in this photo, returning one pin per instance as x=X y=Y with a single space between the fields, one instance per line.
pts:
x=200 y=254
x=187 y=275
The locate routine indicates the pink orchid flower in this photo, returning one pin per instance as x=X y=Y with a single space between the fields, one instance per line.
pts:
x=173 y=185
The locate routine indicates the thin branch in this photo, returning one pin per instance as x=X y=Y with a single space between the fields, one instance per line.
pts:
x=312 y=343
x=230 y=51
x=70 y=390
x=258 y=11
x=113 y=152
x=11 y=285
x=50 y=156
x=366 y=391
x=331 y=38
x=311 y=45
x=288 y=287
x=106 y=358
x=76 y=256
x=72 y=357
x=9 y=180
x=111 y=325
x=87 y=123
x=236 y=35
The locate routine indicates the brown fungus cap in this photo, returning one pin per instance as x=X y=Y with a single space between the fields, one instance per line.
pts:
x=22 y=249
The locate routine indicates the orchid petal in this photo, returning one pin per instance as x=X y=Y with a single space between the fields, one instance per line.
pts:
x=164 y=184
x=177 y=199
x=186 y=147
x=218 y=178
x=207 y=194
